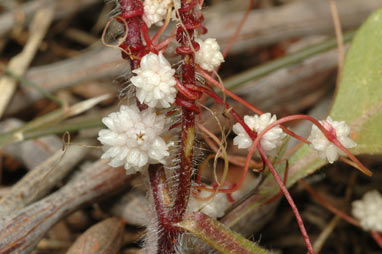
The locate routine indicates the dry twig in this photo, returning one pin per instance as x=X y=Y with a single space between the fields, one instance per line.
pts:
x=20 y=232
x=106 y=237
x=19 y=64
x=40 y=180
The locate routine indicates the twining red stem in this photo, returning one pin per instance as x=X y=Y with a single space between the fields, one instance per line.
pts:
x=328 y=206
x=185 y=37
x=289 y=198
x=238 y=30
x=237 y=98
x=377 y=236
x=330 y=136
x=156 y=175
x=167 y=239
x=251 y=133
x=270 y=166
x=134 y=49
x=277 y=196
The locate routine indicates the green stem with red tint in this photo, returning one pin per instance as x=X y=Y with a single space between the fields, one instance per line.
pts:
x=219 y=236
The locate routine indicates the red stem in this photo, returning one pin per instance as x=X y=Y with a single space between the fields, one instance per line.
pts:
x=184 y=174
x=132 y=11
x=328 y=206
x=241 y=101
x=252 y=134
x=377 y=236
x=270 y=166
x=331 y=137
x=170 y=233
x=231 y=110
x=289 y=198
x=238 y=30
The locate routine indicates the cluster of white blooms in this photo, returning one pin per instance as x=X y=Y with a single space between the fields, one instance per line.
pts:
x=208 y=56
x=325 y=148
x=155 y=82
x=133 y=138
x=155 y=11
x=269 y=142
x=369 y=211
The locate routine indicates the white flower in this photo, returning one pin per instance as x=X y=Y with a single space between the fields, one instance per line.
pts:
x=155 y=82
x=155 y=11
x=369 y=211
x=208 y=56
x=133 y=138
x=269 y=142
x=326 y=149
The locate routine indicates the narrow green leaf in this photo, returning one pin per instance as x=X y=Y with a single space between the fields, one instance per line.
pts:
x=219 y=236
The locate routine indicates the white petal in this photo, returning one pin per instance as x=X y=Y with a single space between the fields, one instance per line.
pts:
x=108 y=121
x=142 y=159
x=348 y=143
x=242 y=142
x=237 y=128
x=110 y=153
x=331 y=153
x=115 y=163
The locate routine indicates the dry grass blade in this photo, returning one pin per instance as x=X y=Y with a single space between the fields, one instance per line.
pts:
x=32 y=152
x=41 y=179
x=95 y=64
x=85 y=105
x=300 y=18
x=339 y=37
x=320 y=241
x=50 y=118
x=106 y=237
x=20 y=63
x=20 y=232
x=62 y=9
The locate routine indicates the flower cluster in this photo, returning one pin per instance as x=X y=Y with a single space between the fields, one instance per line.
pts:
x=155 y=11
x=325 y=148
x=269 y=142
x=155 y=82
x=208 y=56
x=133 y=138
x=369 y=211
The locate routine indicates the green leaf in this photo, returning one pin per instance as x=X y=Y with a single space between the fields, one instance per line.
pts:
x=358 y=101
x=219 y=236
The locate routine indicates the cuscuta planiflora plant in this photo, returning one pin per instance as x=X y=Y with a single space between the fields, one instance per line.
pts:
x=145 y=137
